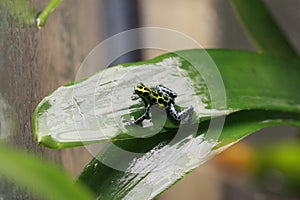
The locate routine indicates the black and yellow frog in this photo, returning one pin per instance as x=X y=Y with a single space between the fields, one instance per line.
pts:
x=163 y=97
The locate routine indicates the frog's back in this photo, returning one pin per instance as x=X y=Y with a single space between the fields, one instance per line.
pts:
x=160 y=98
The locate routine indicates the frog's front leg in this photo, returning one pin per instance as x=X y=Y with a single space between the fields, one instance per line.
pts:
x=163 y=89
x=184 y=116
x=144 y=116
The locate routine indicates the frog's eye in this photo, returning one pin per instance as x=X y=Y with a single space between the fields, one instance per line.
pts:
x=139 y=86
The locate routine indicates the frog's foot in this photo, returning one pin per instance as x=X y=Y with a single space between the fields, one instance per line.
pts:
x=127 y=123
x=185 y=116
x=137 y=121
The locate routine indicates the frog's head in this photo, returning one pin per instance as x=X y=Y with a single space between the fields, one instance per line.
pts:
x=142 y=91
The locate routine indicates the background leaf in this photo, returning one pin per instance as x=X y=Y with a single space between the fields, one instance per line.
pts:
x=279 y=159
x=38 y=176
x=262 y=28
x=21 y=10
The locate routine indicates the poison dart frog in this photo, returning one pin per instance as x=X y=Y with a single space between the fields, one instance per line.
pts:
x=163 y=97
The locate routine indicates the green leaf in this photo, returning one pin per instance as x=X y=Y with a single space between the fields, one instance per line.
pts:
x=95 y=108
x=258 y=95
x=262 y=28
x=38 y=176
x=165 y=161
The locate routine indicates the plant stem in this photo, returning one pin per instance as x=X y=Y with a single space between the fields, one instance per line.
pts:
x=43 y=16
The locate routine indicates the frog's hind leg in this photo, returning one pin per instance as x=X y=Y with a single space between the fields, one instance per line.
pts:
x=163 y=89
x=185 y=115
